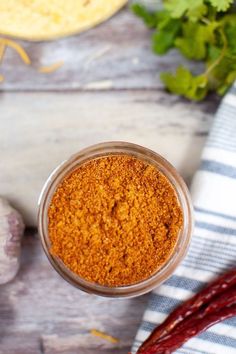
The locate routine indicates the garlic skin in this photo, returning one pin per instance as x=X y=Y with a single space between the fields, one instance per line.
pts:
x=11 y=232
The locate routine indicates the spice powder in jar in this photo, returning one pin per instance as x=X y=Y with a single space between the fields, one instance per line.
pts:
x=114 y=220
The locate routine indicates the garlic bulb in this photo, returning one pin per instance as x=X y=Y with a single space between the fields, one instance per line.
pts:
x=11 y=231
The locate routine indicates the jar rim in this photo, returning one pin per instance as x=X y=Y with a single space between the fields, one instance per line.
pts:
x=147 y=155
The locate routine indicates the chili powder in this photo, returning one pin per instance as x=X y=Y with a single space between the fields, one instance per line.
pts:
x=114 y=220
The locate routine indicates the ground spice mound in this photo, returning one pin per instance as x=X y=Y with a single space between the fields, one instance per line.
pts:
x=114 y=220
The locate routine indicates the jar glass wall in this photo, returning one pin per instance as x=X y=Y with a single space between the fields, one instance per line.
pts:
x=141 y=153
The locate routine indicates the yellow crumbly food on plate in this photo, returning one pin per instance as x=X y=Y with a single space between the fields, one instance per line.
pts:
x=48 y=19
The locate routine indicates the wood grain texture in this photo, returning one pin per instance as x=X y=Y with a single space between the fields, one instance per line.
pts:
x=41 y=313
x=114 y=55
x=42 y=129
x=108 y=89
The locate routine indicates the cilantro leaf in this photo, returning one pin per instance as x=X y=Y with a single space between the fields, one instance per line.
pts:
x=176 y=8
x=197 y=12
x=164 y=38
x=221 y=5
x=198 y=89
x=194 y=39
x=163 y=19
x=213 y=53
x=193 y=8
x=178 y=83
x=220 y=78
x=199 y=32
x=230 y=32
x=148 y=17
x=185 y=84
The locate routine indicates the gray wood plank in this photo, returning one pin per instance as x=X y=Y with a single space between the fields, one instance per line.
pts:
x=114 y=55
x=40 y=130
x=41 y=313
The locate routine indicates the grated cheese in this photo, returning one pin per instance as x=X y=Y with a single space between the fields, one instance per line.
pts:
x=103 y=335
x=51 y=68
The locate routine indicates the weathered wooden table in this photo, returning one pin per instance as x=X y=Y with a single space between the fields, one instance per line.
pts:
x=108 y=89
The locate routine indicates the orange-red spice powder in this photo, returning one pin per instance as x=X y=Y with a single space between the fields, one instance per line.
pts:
x=114 y=220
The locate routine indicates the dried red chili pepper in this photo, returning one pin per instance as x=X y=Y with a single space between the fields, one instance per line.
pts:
x=177 y=337
x=226 y=299
x=215 y=288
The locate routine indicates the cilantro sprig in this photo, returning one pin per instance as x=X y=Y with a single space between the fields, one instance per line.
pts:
x=203 y=30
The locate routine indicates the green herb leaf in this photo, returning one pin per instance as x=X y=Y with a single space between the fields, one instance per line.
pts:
x=185 y=84
x=194 y=39
x=221 y=5
x=199 y=32
x=148 y=18
x=178 y=83
x=194 y=9
x=230 y=32
x=197 y=12
x=164 y=37
x=163 y=19
x=221 y=76
x=198 y=89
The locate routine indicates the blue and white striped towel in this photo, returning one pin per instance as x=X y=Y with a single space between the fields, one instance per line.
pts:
x=213 y=247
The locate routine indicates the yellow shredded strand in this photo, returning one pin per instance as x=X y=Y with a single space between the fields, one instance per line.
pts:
x=1 y=78
x=2 y=49
x=50 y=68
x=19 y=49
x=103 y=335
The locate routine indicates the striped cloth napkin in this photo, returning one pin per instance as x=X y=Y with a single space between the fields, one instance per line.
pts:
x=213 y=246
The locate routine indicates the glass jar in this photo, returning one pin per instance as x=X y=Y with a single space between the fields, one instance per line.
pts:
x=148 y=156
